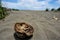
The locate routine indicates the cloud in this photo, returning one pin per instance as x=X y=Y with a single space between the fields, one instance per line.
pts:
x=9 y=4
x=29 y=4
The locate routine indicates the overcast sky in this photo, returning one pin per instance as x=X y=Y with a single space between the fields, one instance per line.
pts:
x=31 y=4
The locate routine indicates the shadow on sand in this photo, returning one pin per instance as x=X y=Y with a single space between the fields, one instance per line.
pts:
x=17 y=38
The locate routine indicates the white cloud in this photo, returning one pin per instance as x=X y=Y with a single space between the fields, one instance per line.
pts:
x=28 y=4
x=9 y=4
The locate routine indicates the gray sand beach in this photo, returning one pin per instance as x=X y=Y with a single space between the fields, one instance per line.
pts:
x=44 y=24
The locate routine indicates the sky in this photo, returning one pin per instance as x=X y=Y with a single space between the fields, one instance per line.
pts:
x=31 y=4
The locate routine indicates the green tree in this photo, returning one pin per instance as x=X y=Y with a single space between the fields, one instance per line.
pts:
x=58 y=9
x=52 y=9
x=47 y=9
x=3 y=11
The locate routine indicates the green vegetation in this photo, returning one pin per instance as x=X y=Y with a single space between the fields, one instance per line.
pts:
x=3 y=11
x=52 y=9
x=47 y=9
x=15 y=9
x=58 y=9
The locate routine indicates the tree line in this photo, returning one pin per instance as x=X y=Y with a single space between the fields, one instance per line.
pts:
x=58 y=9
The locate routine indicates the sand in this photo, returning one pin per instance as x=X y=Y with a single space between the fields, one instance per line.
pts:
x=45 y=26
